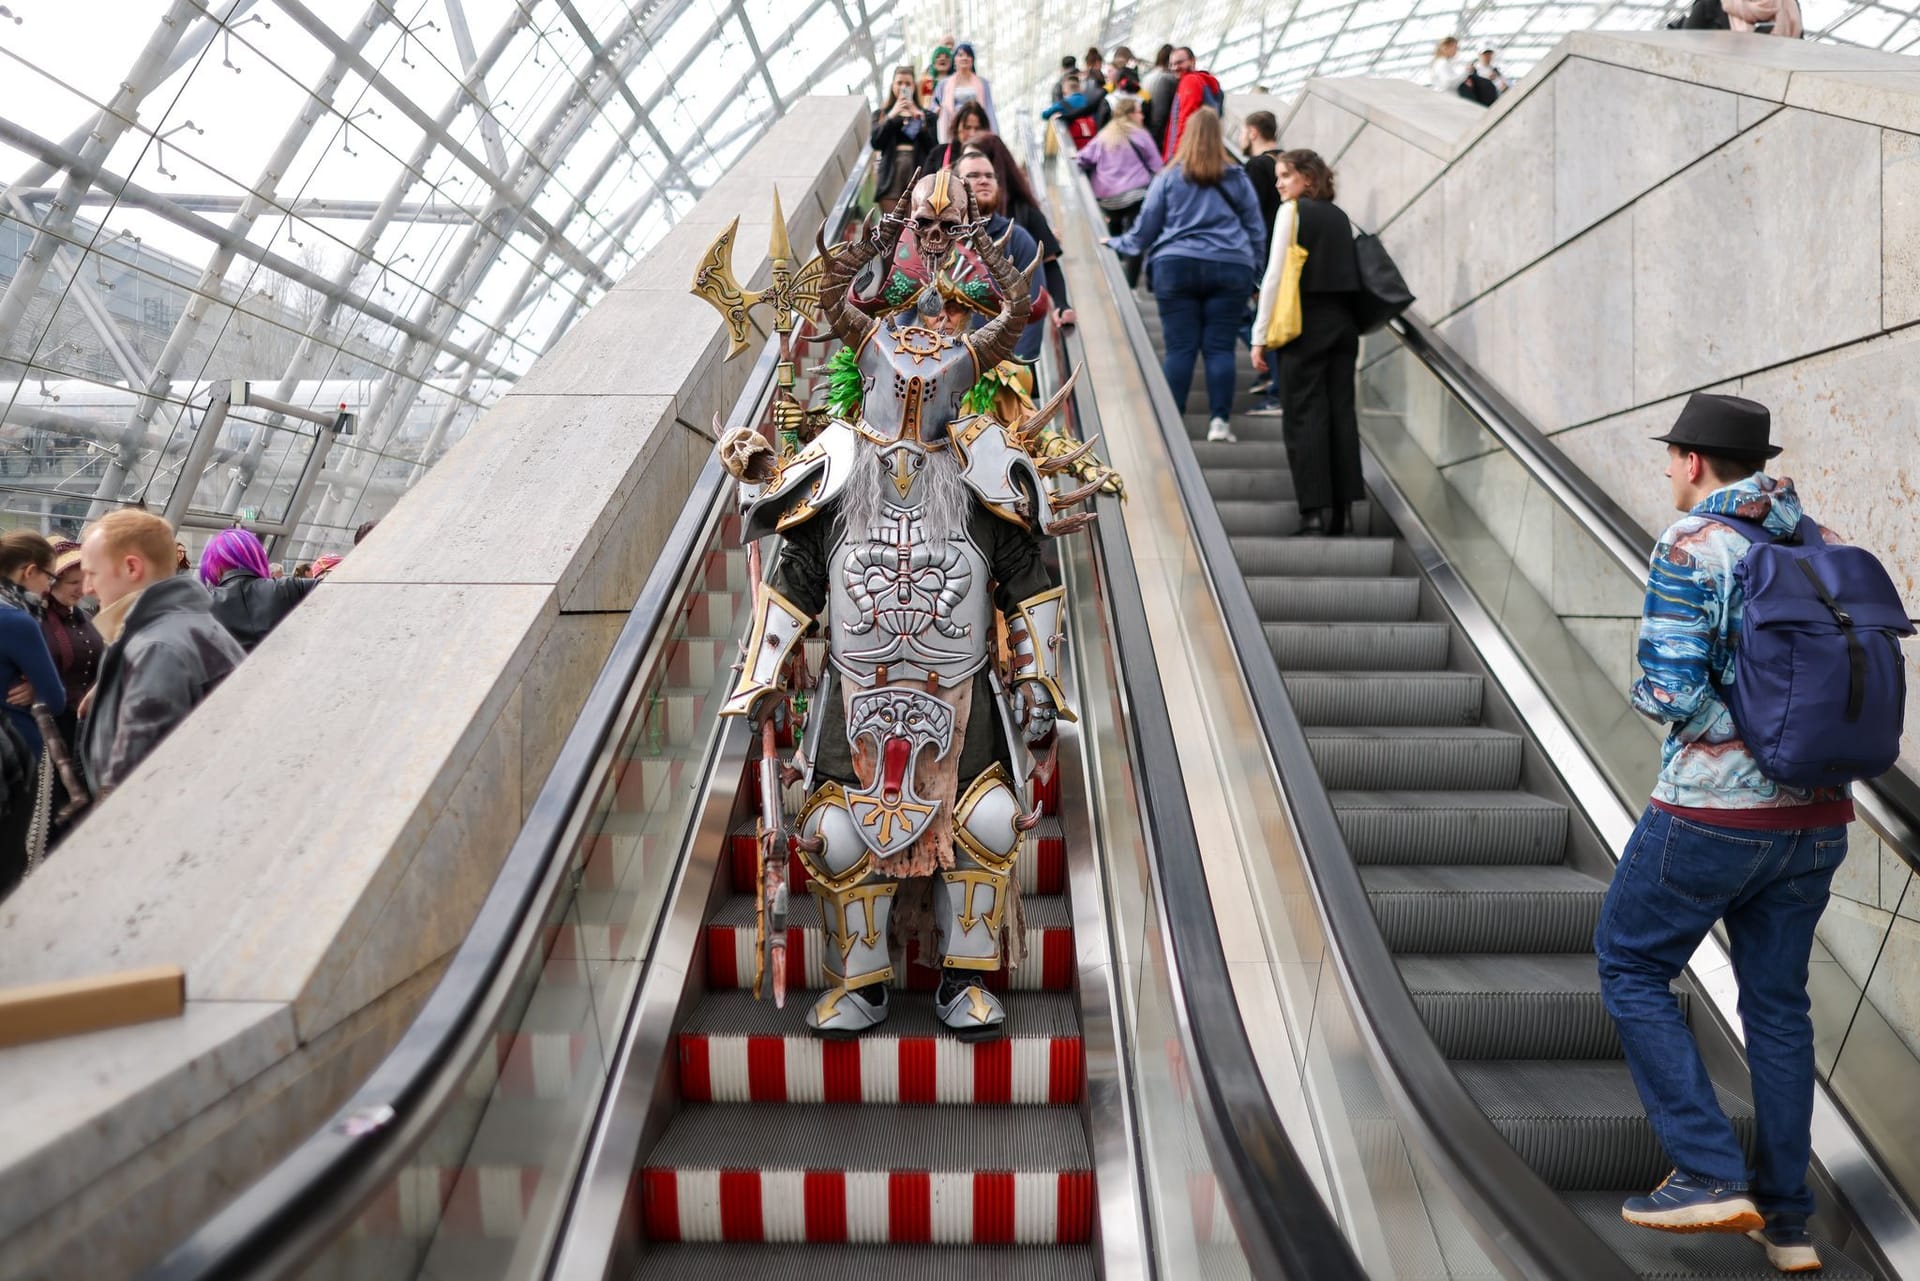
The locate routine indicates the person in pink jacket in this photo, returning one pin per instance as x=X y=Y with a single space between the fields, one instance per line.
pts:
x=1121 y=161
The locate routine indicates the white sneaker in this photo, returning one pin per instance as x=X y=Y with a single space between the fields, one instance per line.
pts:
x=1218 y=429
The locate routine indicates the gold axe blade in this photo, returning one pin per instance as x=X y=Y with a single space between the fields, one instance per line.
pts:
x=715 y=282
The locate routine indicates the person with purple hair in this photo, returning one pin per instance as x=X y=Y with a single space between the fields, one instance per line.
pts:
x=247 y=599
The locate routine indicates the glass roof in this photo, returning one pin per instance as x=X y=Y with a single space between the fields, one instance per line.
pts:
x=1279 y=45
x=391 y=207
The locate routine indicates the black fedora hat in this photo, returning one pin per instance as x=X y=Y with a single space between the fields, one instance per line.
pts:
x=1724 y=425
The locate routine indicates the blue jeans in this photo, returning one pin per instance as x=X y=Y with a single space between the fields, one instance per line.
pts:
x=1201 y=304
x=1674 y=881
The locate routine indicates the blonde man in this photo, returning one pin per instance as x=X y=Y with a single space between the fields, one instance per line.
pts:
x=170 y=651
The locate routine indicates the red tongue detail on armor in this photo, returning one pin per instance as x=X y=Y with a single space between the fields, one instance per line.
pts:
x=893 y=767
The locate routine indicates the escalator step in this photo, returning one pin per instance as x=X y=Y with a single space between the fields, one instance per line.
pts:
x=1385 y=698
x=838 y=1263
x=1451 y=827
x=734 y=1049
x=1346 y=647
x=1425 y=758
x=1513 y=1005
x=1337 y=557
x=1248 y=480
x=1300 y=599
x=1256 y=517
x=1228 y=456
x=1663 y=1256
x=1484 y=909
x=870 y=1174
x=1049 y=963
x=1579 y=1123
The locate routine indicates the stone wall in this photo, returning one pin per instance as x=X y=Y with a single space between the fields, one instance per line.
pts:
x=1652 y=214
x=314 y=842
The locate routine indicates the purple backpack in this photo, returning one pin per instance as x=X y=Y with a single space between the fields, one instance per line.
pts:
x=1820 y=685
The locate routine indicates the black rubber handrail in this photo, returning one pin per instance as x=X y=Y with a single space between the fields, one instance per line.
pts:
x=1522 y=1221
x=289 y=1214
x=1285 y=1229
x=1893 y=803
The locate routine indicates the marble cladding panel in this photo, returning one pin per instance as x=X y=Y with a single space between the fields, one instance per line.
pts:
x=125 y=1214
x=533 y=498
x=1587 y=581
x=1499 y=197
x=1754 y=110
x=1321 y=126
x=1617 y=133
x=120 y=1089
x=249 y=888
x=643 y=517
x=429 y=899
x=1728 y=60
x=1795 y=182
x=1417 y=239
x=1882 y=97
x=1619 y=453
x=1556 y=338
x=1612 y=644
x=561 y=674
x=1847 y=421
x=1899 y=228
x=1389 y=171
x=1867 y=941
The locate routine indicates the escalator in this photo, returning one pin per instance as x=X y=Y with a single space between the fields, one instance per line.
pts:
x=1457 y=874
x=592 y=1092
x=1485 y=879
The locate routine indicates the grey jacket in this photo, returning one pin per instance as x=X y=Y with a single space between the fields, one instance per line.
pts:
x=170 y=655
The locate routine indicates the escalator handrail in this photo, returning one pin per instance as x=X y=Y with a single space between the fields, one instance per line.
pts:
x=1284 y=1226
x=317 y=1189
x=1524 y=1221
x=1891 y=803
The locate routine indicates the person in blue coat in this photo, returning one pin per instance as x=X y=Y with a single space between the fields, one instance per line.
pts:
x=29 y=676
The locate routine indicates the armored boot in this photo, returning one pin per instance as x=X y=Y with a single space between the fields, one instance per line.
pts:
x=970 y=905
x=855 y=903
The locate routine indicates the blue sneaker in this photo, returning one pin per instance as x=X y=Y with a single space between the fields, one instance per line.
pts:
x=1683 y=1203
x=1788 y=1244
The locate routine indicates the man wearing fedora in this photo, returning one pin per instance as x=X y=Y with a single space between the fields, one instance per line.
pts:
x=1719 y=841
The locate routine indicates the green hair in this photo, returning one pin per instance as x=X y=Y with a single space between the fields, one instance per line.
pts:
x=979 y=397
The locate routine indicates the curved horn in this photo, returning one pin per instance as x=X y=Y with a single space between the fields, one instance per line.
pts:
x=1030 y=426
x=1064 y=462
x=994 y=341
x=848 y=323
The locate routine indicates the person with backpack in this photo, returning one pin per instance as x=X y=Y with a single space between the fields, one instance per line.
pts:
x=1196 y=89
x=1772 y=653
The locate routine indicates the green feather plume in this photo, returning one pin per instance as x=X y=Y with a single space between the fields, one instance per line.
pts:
x=979 y=397
x=846 y=389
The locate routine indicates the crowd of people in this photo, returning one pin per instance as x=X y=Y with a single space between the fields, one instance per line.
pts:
x=106 y=644
x=1184 y=214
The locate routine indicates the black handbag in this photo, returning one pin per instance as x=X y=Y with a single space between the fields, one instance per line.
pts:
x=1383 y=292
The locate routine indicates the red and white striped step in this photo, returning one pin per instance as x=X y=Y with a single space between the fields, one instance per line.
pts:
x=734 y=1049
x=1048 y=965
x=820 y=1174
x=1041 y=867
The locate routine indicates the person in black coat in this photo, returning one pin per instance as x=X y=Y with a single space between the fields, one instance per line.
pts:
x=247 y=600
x=902 y=138
x=1316 y=376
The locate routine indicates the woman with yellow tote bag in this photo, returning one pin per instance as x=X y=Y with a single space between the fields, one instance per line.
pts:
x=1277 y=322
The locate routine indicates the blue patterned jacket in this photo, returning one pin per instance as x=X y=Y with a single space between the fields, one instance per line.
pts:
x=1688 y=633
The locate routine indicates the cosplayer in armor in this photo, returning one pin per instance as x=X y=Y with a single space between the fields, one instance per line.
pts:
x=906 y=526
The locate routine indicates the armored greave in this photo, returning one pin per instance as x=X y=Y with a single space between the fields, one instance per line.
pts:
x=970 y=900
x=855 y=904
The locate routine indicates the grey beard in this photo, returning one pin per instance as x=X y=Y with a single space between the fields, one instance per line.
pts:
x=869 y=500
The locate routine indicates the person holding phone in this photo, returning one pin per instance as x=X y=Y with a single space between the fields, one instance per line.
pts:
x=902 y=138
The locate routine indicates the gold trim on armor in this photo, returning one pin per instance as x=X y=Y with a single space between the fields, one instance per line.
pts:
x=994 y=775
x=830 y=794
x=1045 y=667
x=765 y=599
x=988 y=963
x=843 y=938
x=972 y=878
